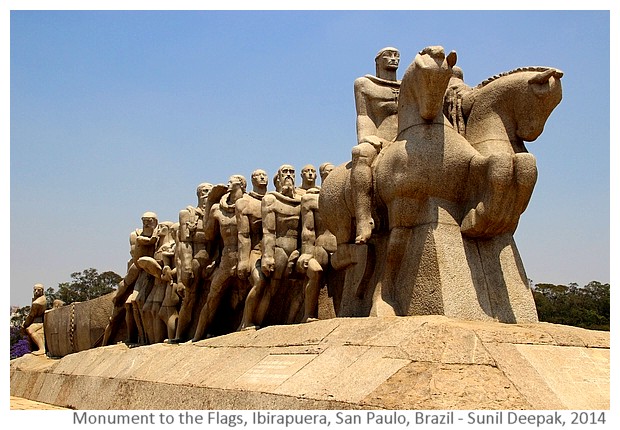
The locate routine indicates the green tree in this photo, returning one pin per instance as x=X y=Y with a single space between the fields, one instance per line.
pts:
x=17 y=319
x=586 y=307
x=88 y=284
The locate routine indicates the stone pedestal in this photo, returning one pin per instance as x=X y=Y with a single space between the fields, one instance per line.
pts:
x=425 y=362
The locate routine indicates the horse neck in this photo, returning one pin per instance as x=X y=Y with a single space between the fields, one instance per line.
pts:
x=409 y=116
x=491 y=126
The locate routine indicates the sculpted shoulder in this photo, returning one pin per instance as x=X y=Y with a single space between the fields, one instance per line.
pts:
x=362 y=84
x=242 y=204
x=310 y=200
x=269 y=199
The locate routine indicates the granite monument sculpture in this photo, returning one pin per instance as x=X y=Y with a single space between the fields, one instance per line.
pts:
x=438 y=200
x=222 y=226
x=419 y=222
x=142 y=243
x=280 y=212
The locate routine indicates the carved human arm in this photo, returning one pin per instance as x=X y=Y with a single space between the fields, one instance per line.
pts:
x=268 y=264
x=366 y=128
x=145 y=240
x=308 y=232
x=211 y=231
x=184 y=233
x=37 y=309
x=132 y=243
x=244 y=239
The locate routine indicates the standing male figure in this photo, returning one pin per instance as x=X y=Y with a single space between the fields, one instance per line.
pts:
x=222 y=223
x=191 y=257
x=308 y=179
x=317 y=244
x=154 y=327
x=280 y=216
x=376 y=104
x=250 y=226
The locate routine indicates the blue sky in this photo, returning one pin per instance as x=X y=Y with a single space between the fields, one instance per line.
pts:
x=113 y=113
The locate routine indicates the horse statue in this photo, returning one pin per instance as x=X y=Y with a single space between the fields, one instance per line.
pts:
x=498 y=116
x=440 y=198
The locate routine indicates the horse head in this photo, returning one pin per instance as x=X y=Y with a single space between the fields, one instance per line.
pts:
x=543 y=94
x=521 y=100
x=423 y=86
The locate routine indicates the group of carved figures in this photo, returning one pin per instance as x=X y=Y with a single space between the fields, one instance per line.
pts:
x=420 y=221
x=237 y=260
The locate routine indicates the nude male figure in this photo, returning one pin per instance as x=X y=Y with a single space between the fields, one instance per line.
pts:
x=222 y=224
x=191 y=258
x=250 y=226
x=280 y=218
x=317 y=244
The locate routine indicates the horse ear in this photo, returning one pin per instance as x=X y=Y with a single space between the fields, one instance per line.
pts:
x=451 y=58
x=544 y=76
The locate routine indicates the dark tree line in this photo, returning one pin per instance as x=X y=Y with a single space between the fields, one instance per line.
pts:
x=87 y=285
x=586 y=307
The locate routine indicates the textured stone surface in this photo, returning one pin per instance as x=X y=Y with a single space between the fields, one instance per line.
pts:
x=78 y=326
x=447 y=191
x=430 y=362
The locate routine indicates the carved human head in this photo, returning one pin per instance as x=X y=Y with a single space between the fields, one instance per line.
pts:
x=38 y=290
x=238 y=181
x=259 y=178
x=202 y=192
x=286 y=176
x=308 y=173
x=57 y=304
x=149 y=220
x=387 y=58
x=325 y=169
x=457 y=72
x=164 y=228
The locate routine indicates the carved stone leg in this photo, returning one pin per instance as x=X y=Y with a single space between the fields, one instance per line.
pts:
x=503 y=275
x=361 y=188
x=353 y=259
x=435 y=276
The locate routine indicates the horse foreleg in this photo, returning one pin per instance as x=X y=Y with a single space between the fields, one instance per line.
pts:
x=353 y=259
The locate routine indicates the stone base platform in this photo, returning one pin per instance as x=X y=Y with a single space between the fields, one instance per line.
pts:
x=425 y=363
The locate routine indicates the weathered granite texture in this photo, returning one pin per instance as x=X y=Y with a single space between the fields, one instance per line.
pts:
x=79 y=326
x=419 y=222
x=424 y=362
x=446 y=198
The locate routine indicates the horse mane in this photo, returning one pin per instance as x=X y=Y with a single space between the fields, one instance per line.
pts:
x=453 y=101
x=511 y=72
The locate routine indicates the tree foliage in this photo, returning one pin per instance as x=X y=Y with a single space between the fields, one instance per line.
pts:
x=17 y=318
x=586 y=307
x=85 y=285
